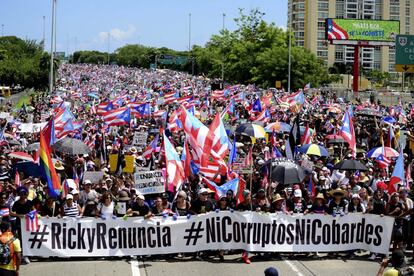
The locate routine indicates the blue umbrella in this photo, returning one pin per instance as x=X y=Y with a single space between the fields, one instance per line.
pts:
x=389 y=119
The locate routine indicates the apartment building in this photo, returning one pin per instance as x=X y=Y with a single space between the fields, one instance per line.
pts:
x=307 y=20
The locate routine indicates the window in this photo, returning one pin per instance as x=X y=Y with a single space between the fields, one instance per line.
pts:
x=323 y=15
x=321 y=35
x=322 y=53
x=377 y=65
x=300 y=43
x=339 y=55
x=320 y=44
x=323 y=6
x=351 y=15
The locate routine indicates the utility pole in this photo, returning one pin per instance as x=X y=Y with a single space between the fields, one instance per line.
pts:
x=51 y=47
x=189 y=33
x=222 y=56
x=2 y=30
x=44 y=32
x=290 y=44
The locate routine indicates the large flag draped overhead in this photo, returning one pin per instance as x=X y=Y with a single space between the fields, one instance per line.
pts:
x=175 y=170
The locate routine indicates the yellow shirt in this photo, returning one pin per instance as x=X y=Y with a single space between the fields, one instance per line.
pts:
x=17 y=249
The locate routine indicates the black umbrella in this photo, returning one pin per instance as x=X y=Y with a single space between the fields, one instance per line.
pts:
x=71 y=146
x=350 y=165
x=285 y=172
x=33 y=147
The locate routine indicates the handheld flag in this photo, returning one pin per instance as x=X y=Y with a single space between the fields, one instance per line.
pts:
x=398 y=174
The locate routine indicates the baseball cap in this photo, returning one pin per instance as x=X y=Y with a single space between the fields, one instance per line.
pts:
x=69 y=196
x=297 y=193
x=202 y=191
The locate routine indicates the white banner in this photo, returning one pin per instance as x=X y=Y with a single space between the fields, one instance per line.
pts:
x=149 y=182
x=250 y=231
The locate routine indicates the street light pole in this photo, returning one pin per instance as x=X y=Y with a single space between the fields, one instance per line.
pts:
x=222 y=57
x=290 y=44
x=51 y=48
x=189 y=33
x=2 y=30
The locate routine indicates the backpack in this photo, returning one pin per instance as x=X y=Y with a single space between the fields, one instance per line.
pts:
x=6 y=251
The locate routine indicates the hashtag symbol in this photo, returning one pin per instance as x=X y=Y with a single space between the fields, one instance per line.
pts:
x=194 y=233
x=38 y=237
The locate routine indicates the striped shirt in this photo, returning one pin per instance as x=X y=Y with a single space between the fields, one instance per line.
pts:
x=71 y=211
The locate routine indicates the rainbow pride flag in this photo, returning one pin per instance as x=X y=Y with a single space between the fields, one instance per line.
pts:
x=47 y=168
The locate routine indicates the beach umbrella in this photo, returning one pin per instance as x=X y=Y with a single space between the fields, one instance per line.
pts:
x=350 y=165
x=385 y=151
x=251 y=130
x=286 y=172
x=313 y=149
x=71 y=146
x=21 y=156
x=278 y=127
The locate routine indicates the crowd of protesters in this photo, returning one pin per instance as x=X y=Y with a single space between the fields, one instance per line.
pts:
x=333 y=192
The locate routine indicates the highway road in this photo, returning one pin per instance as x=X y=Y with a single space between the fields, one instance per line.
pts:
x=232 y=265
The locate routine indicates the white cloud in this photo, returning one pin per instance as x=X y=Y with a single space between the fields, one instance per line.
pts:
x=118 y=34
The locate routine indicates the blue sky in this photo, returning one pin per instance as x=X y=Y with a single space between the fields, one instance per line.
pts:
x=84 y=24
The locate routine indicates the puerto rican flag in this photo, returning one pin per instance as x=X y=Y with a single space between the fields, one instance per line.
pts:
x=213 y=170
x=295 y=98
x=32 y=221
x=117 y=117
x=306 y=137
x=90 y=141
x=171 y=97
x=222 y=190
x=174 y=166
x=383 y=162
x=335 y=32
x=141 y=110
x=151 y=148
x=17 y=182
x=263 y=117
x=398 y=175
x=104 y=107
x=220 y=142
x=200 y=137
x=238 y=98
x=348 y=133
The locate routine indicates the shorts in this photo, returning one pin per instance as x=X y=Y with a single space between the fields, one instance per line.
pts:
x=6 y=272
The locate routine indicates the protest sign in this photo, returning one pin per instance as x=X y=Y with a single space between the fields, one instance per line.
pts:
x=113 y=162
x=249 y=231
x=129 y=163
x=140 y=139
x=149 y=182
x=94 y=177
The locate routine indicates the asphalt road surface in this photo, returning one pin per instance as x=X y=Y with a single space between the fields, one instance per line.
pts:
x=232 y=265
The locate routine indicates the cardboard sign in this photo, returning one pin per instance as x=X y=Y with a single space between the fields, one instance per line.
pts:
x=140 y=139
x=94 y=177
x=150 y=182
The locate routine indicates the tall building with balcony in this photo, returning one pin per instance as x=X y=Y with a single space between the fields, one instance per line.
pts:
x=307 y=20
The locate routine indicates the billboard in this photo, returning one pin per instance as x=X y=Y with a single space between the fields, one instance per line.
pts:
x=362 y=30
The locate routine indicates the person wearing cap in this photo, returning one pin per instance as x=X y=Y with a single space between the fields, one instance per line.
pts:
x=87 y=192
x=338 y=203
x=70 y=208
x=296 y=204
x=355 y=205
x=90 y=208
x=203 y=204
x=247 y=203
x=139 y=208
x=181 y=206
x=165 y=203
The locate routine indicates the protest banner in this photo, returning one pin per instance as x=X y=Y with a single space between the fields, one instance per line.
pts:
x=140 y=139
x=129 y=163
x=94 y=177
x=149 y=182
x=250 y=231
